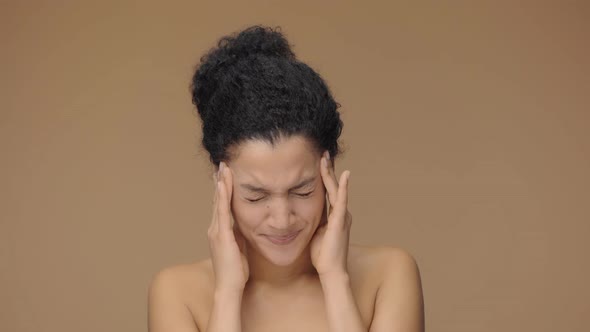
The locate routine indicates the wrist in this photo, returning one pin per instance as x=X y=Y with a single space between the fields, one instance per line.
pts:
x=225 y=294
x=335 y=277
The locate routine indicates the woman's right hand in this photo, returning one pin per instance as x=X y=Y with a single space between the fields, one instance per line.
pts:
x=226 y=243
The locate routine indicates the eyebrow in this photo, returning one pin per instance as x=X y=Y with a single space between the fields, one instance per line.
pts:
x=297 y=186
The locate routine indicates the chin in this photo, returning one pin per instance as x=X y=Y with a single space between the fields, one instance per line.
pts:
x=283 y=254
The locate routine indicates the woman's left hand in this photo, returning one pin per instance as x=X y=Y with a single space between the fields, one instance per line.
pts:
x=329 y=245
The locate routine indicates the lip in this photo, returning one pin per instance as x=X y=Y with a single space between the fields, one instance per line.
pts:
x=283 y=240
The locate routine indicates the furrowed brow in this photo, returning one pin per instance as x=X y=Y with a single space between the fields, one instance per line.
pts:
x=263 y=190
x=303 y=183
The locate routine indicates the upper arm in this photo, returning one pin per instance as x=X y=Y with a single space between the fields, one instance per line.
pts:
x=166 y=310
x=399 y=305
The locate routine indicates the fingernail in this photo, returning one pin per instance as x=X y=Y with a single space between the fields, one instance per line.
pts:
x=327 y=154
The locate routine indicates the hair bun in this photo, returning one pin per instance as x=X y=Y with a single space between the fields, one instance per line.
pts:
x=256 y=40
x=214 y=69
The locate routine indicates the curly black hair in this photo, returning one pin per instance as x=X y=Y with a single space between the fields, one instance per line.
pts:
x=251 y=86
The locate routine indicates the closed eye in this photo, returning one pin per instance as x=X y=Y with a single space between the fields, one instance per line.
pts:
x=259 y=199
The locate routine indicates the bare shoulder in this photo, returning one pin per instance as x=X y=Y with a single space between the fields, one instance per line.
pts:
x=186 y=279
x=177 y=296
x=399 y=304
x=382 y=260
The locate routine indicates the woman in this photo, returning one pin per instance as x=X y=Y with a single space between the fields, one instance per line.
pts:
x=271 y=126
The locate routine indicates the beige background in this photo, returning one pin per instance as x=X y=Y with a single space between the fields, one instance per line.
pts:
x=467 y=130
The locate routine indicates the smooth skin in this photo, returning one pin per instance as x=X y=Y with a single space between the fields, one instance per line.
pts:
x=371 y=289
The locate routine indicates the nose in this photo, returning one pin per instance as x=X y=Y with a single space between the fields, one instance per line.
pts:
x=280 y=214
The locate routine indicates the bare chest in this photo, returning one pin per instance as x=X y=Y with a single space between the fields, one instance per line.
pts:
x=304 y=310
x=300 y=310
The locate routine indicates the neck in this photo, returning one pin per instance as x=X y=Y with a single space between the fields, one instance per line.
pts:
x=267 y=274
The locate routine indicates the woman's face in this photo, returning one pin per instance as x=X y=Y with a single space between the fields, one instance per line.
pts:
x=277 y=191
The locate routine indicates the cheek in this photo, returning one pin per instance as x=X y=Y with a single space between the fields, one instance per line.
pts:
x=309 y=209
x=248 y=215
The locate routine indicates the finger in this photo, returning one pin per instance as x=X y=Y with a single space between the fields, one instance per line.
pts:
x=223 y=213
x=329 y=181
x=339 y=211
x=240 y=239
x=228 y=181
x=228 y=185
x=215 y=179
x=214 y=227
x=324 y=218
x=216 y=196
x=332 y=172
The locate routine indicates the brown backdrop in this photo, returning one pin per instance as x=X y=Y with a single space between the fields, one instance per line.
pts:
x=466 y=125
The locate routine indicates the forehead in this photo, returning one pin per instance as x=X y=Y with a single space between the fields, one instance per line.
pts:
x=275 y=167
